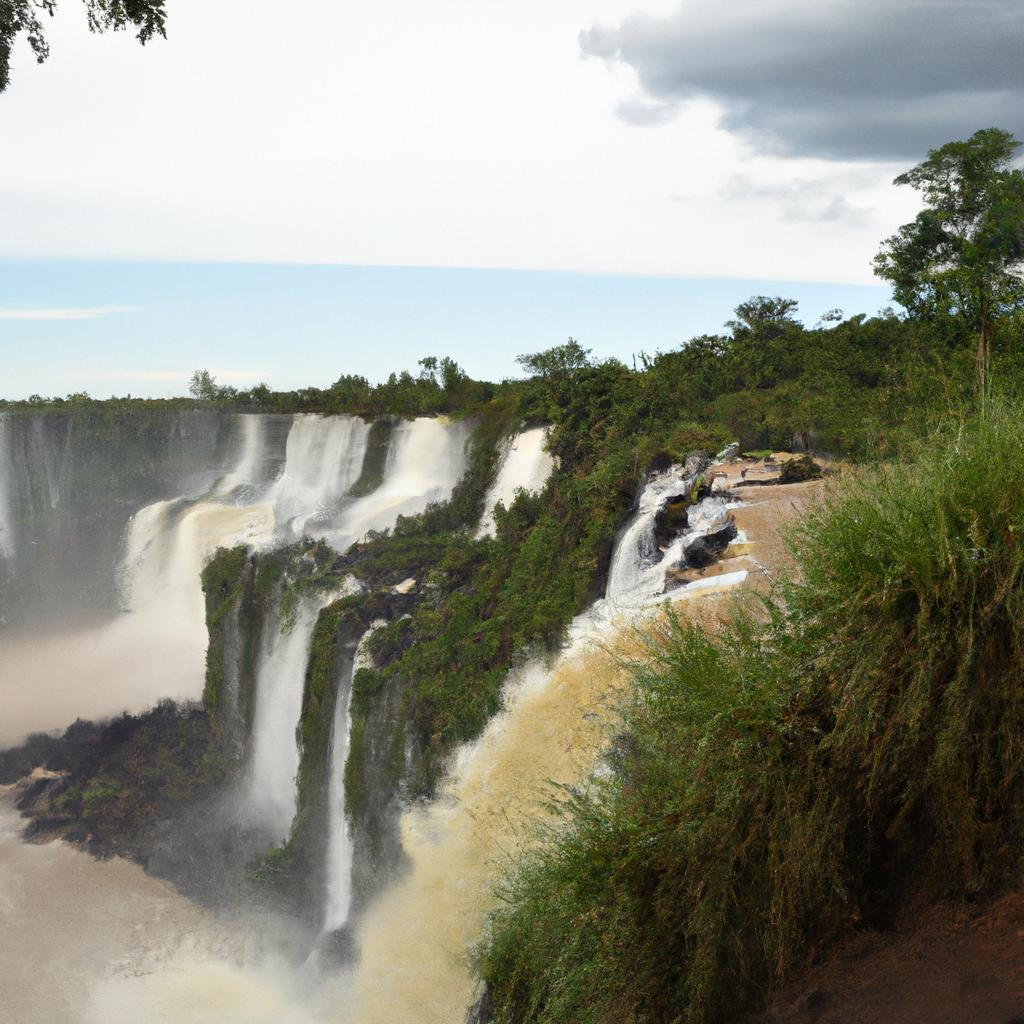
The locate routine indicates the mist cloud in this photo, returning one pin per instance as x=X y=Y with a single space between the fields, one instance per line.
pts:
x=840 y=79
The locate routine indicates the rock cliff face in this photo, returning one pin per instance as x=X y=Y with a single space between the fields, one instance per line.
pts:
x=68 y=485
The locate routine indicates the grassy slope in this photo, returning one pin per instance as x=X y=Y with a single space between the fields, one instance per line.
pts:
x=779 y=785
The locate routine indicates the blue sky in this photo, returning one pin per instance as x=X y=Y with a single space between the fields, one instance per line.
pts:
x=141 y=328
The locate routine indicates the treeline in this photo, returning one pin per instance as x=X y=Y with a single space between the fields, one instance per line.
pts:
x=853 y=385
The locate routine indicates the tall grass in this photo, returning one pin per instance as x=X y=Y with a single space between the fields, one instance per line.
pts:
x=800 y=774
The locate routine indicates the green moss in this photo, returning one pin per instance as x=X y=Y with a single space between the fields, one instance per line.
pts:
x=377 y=445
x=98 y=793
x=366 y=687
x=223 y=581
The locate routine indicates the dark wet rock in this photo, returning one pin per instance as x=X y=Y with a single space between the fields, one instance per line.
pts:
x=795 y=471
x=702 y=551
x=660 y=462
x=671 y=519
x=482 y=1011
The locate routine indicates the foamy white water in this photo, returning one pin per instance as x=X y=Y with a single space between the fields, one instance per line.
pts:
x=426 y=459
x=524 y=464
x=280 y=677
x=638 y=567
x=324 y=459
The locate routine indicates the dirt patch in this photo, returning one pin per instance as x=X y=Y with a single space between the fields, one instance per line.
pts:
x=947 y=964
x=765 y=515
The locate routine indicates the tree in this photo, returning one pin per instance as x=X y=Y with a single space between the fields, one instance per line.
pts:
x=429 y=371
x=960 y=258
x=560 y=361
x=452 y=375
x=764 y=346
x=19 y=17
x=763 y=317
x=204 y=386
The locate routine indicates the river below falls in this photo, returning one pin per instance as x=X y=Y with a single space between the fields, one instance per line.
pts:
x=73 y=930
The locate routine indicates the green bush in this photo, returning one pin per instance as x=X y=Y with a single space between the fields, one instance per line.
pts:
x=805 y=772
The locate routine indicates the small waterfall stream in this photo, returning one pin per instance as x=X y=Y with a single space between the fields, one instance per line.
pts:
x=7 y=539
x=274 y=755
x=338 y=874
x=638 y=568
x=525 y=464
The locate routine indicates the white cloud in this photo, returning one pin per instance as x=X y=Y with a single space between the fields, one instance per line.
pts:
x=449 y=135
x=82 y=313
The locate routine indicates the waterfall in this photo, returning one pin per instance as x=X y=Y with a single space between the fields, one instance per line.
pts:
x=7 y=542
x=338 y=893
x=415 y=937
x=167 y=546
x=523 y=464
x=638 y=567
x=274 y=759
x=110 y=534
x=69 y=484
x=324 y=459
x=247 y=473
x=426 y=459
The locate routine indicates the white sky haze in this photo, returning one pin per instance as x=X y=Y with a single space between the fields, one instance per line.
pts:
x=467 y=133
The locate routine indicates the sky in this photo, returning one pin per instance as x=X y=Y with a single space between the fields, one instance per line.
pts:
x=288 y=192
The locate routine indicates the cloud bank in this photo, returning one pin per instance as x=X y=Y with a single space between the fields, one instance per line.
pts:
x=840 y=79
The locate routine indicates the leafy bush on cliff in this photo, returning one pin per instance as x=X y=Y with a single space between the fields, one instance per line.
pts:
x=802 y=774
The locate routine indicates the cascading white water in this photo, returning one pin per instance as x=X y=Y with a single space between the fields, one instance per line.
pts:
x=524 y=464
x=324 y=459
x=247 y=473
x=6 y=497
x=274 y=758
x=426 y=459
x=168 y=542
x=638 y=568
x=338 y=889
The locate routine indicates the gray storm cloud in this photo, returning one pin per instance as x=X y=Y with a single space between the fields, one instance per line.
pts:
x=842 y=79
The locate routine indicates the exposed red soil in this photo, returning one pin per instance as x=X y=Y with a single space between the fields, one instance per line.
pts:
x=947 y=964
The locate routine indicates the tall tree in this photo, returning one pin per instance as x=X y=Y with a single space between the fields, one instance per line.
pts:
x=203 y=385
x=19 y=17
x=961 y=257
x=560 y=361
